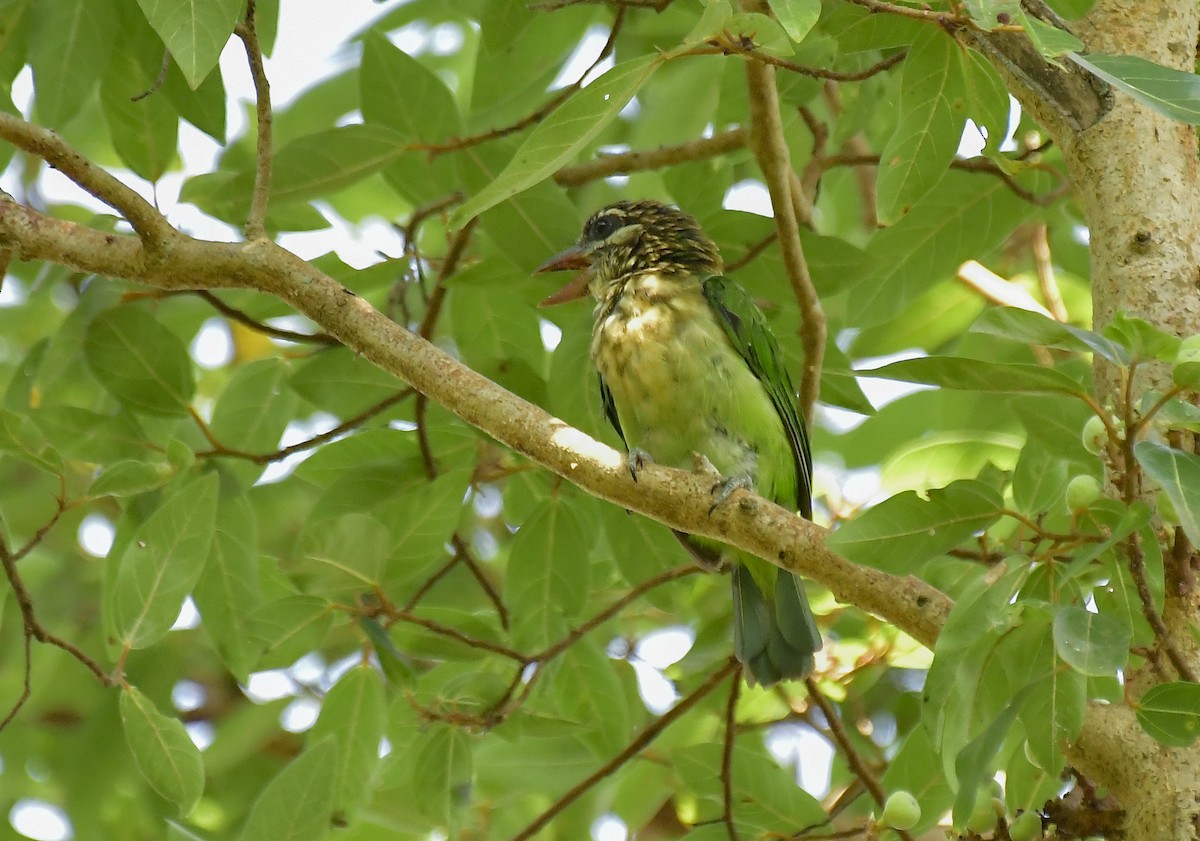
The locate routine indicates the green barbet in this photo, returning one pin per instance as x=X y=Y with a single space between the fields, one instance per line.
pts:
x=688 y=365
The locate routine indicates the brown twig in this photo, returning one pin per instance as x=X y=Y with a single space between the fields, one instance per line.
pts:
x=752 y=252
x=940 y=18
x=555 y=5
x=455 y=634
x=32 y=629
x=1137 y=569
x=639 y=743
x=158 y=82
x=770 y=149
x=981 y=165
x=735 y=688
x=641 y=160
x=456 y=143
x=613 y=609
x=219 y=450
x=248 y=33
x=234 y=314
x=465 y=555
x=728 y=46
x=429 y=582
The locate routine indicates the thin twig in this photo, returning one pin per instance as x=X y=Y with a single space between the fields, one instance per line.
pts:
x=770 y=149
x=455 y=634
x=644 y=159
x=219 y=450
x=158 y=82
x=631 y=750
x=248 y=33
x=735 y=688
x=464 y=553
x=726 y=46
x=613 y=609
x=1137 y=569
x=981 y=165
x=752 y=252
x=234 y=314
x=456 y=143
x=428 y=583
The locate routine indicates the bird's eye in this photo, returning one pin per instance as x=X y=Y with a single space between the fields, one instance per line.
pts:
x=604 y=227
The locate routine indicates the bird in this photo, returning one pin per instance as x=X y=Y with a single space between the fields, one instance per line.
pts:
x=689 y=367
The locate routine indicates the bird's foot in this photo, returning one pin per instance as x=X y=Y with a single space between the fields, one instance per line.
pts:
x=637 y=459
x=724 y=489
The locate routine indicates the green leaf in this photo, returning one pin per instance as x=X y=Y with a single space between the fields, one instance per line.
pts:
x=290 y=627
x=1172 y=93
x=932 y=113
x=961 y=218
x=228 y=590
x=422 y=519
x=1048 y=40
x=352 y=714
x=977 y=375
x=1170 y=712
x=340 y=381
x=765 y=32
x=548 y=573
x=1142 y=339
x=1091 y=643
x=796 y=16
x=1036 y=329
x=992 y=13
x=563 y=134
x=396 y=667
x=70 y=47
x=975 y=763
x=603 y=708
x=899 y=533
x=162 y=562
x=298 y=803
x=255 y=407
x=318 y=164
x=347 y=554
x=402 y=94
x=164 y=752
x=127 y=478
x=443 y=773
x=1178 y=474
x=142 y=363
x=145 y=131
x=195 y=31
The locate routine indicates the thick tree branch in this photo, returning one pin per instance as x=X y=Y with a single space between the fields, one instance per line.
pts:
x=674 y=497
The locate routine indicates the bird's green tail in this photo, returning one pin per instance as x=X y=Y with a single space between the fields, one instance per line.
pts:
x=774 y=640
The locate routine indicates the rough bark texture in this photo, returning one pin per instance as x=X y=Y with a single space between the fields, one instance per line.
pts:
x=1136 y=176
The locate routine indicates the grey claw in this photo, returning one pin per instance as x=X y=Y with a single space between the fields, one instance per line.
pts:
x=725 y=489
x=637 y=459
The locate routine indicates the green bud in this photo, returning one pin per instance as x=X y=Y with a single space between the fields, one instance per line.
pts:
x=901 y=811
x=1094 y=435
x=1082 y=491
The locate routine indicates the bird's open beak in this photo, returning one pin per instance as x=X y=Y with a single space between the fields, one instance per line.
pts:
x=572 y=258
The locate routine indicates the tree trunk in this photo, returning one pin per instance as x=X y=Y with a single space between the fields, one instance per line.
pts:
x=1136 y=175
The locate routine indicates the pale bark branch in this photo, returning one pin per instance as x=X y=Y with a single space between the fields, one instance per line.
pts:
x=247 y=31
x=677 y=498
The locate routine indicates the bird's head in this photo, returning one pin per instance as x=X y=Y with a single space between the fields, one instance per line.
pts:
x=631 y=238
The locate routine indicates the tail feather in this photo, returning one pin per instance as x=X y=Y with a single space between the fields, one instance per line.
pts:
x=773 y=641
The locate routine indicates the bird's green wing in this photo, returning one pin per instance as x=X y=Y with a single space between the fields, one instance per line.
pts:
x=751 y=337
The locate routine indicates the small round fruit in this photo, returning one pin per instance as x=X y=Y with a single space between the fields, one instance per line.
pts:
x=1082 y=491
x=1026 y=826
x=1094 y=435
x=901 y=811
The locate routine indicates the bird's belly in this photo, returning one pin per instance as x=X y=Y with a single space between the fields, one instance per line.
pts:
x=679 y=388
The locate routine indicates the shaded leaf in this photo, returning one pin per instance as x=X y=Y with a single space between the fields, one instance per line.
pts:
x=162 y=562
x=352 y=714
x=298 y=803
x=899 y=533
x=1178 y=474
x=142 y=363
x=164 y=752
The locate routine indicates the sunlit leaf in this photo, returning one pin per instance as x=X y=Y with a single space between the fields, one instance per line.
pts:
x=195 y=32
x=1170 y=712
x=1172 y=93
x=1090 y=642
x=165 y=753
x=1178 y=474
